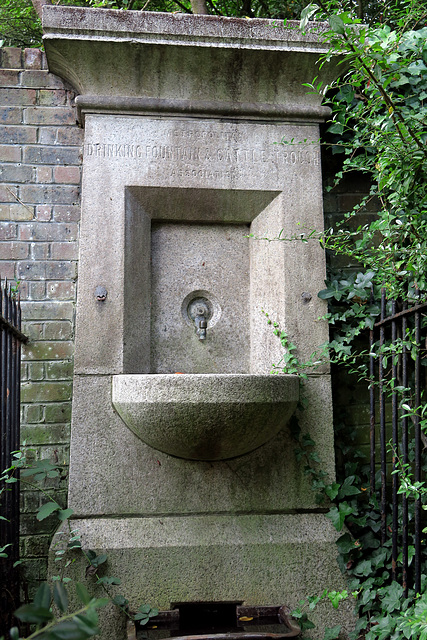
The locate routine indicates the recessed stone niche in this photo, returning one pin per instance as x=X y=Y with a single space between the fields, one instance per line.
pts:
x=181 y=244
x=198 y=133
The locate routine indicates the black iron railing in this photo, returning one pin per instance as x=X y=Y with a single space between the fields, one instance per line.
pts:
x=397 y=347
x=10 y=374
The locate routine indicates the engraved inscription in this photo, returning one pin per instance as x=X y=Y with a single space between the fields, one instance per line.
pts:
x=201 y=134
x=191 y=172
x=192 y=154
x=103 y=150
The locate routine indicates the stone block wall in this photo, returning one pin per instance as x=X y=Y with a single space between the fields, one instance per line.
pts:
x=40 y=156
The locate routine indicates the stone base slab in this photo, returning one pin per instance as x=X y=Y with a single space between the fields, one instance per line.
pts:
x=249 y=559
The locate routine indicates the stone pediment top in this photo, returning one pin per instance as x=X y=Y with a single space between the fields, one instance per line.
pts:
x=134 y=63
x=179 y=29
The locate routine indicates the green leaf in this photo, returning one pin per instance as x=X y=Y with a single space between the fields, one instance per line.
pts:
x=332 y=633
x=336 y=597
x=41 y=467
x=25 y=473
x=43 y=596
x=2 y=554
x=63 y=514
x=305 y=623
x=336 y=24
x=363 y=568
x=60 y=596
x=108 y=580
x=336 y=127
x=346 y=544
x=347 y=488
x=97 y=560
x=34 y=614
x=337 y=515
x=68 y=630
x=92 y=614
x=369 y=541
x=141 y=617
x=46 y=509
x=83 y=593
x=306 y=14
x=100 y=602
x=392 y=599
x=85 y=625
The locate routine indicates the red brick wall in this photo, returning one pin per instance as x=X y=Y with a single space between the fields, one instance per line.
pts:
x=40 y=155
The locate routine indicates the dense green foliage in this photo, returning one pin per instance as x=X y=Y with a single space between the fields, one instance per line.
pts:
x=380 y=123
x=50 y=612
x=19 y=25
x=384 y=611
x=379 y=126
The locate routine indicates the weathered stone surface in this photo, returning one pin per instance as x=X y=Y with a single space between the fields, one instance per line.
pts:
x=49 y=115
x=213 y=262
x=41 y=435
x=39 y=250
x=65 y=194
x=60 y=155
x=39 y=231
x=198 y=171
x=52 y=97
x=219 y=557
x=240 y=65
x=13 y=250
x=205 y=416
x=9 y=77
x=10 y=115
x=42 y=78
x=264 y=481
x=164 y=197
x=8 y=231
x=9 y=154
x=17 y=97
x=59 y=412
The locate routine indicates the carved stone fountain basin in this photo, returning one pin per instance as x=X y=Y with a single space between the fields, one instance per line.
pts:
x=205 y=416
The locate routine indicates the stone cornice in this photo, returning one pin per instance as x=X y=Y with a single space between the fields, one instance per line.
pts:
x=179 y=29
x=133 y=62
x=203 y=108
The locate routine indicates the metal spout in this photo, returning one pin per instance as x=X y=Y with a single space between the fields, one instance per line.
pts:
x=201 y=323
x=201 y=331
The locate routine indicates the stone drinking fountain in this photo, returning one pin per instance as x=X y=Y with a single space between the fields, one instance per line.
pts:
x=182 y=467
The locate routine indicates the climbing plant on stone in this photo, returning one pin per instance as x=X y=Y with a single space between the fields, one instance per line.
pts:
x=379 y=126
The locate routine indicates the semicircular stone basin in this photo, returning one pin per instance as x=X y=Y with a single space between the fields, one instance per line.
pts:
x=205 y=416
